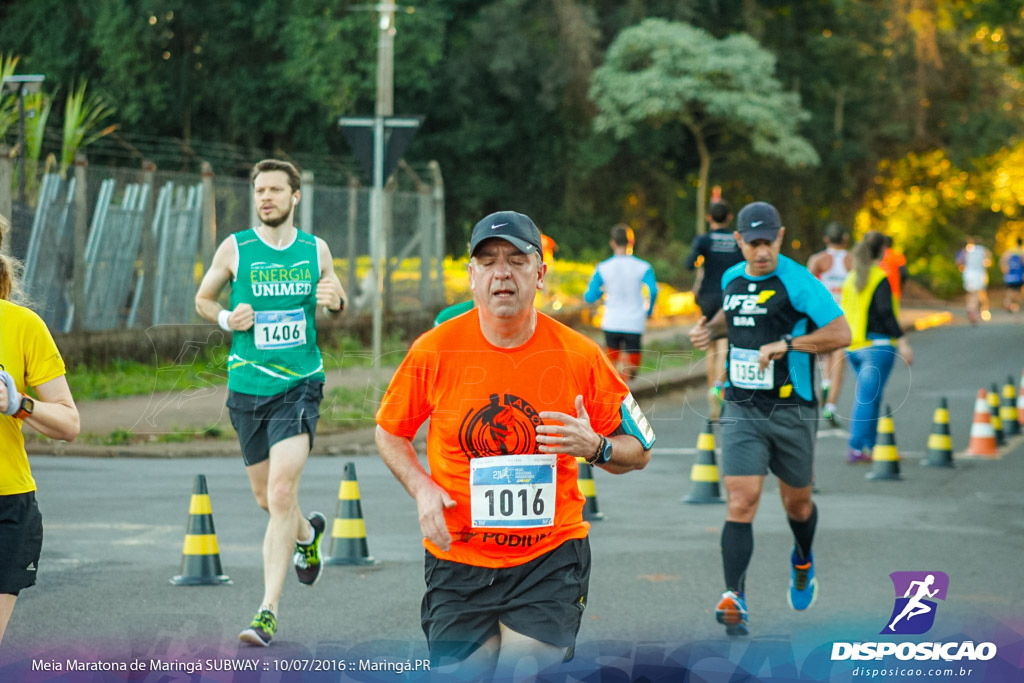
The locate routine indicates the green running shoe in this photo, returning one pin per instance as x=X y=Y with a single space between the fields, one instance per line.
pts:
x=261 y=630
x=308 y=563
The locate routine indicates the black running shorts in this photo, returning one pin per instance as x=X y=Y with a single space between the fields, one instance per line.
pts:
x=262 y=421
x=21 y=539
x=543 y=599
x=629 y=341
x=709 y=304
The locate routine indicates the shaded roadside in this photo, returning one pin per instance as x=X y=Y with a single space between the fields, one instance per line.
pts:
x=164 y=424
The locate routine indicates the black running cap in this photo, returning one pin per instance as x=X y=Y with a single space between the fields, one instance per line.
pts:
x=758 y=221
x=511 y=226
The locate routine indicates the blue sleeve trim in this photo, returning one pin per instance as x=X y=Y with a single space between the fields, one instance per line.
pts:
x=635 y=423
x=652 y=287
x=733 y=272
x=807 y=293
x=593 y=292
x=800 y=370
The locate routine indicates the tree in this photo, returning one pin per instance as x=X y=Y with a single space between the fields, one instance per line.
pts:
x=658 y=73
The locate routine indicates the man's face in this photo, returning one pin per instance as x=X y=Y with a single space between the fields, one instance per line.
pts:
x=274 y=197
x=762 y=256
x=503 y=279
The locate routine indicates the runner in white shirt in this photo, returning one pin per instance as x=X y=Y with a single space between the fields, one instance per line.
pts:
x=974 y=260
x=831 y=266
x=622 y=279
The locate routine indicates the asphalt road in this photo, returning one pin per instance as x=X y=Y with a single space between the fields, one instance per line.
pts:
x=115 y=527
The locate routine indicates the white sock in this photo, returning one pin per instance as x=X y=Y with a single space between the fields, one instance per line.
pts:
x=830 y=407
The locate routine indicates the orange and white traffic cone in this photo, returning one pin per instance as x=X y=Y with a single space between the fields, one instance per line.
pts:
x=1008 y=411
x=983 y=436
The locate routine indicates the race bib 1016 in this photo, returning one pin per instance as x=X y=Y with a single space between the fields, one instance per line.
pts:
x=513 y=490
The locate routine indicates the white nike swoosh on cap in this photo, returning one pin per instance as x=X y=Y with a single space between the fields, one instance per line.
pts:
x=498 y=225
x=756 y=223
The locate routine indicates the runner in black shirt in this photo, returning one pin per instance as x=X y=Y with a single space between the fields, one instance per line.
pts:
x=717 y=251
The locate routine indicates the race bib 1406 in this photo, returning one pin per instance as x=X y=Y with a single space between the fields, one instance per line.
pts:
x=280 y=329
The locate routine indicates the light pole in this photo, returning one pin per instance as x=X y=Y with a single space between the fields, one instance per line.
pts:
x=385 y=145
x=378 y=207
x=25 y=84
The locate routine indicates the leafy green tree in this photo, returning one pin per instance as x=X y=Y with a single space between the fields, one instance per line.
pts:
x=659 y=72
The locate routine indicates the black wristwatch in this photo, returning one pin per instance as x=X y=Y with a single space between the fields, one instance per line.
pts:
x=788 y=338
x=339 y=309
x=603 y=453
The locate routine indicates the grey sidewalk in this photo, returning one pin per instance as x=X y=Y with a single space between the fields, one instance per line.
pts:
x=196 y=409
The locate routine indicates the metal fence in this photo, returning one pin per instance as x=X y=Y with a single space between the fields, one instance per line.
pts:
x=149 y=235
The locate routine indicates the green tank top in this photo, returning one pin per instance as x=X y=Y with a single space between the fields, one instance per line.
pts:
x=279 y=350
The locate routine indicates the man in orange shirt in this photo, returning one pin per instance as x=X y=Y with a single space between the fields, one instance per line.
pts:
x=895 y=266
x=513 y=398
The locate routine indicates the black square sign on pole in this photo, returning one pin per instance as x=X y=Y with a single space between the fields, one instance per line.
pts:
x=398 y=133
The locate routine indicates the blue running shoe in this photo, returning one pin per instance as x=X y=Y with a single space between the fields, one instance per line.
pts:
x=732 y=612
x=803 y=587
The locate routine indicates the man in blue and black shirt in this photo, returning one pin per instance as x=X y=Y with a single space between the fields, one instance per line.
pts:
x=776 y=316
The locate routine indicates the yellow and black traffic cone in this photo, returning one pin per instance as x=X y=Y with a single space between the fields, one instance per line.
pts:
x=348 y=535
x=585 y=480
x=885 y=458
x=993 y=410
x=940 y=443
x=1008 y=411
x=200 y=558
x=704 y=473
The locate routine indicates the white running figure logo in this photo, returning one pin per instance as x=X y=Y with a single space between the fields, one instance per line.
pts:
x=915 y=607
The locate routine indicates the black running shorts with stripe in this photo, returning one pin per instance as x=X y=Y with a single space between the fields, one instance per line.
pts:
x=542 y=599
x=21 y=540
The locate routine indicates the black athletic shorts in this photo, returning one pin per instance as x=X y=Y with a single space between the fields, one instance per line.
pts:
x=622 y=340
x=262 y=421
x=21 y=539
x=543 y=599
x=709 y=304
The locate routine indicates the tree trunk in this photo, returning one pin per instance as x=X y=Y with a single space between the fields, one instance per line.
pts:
x=705 y=171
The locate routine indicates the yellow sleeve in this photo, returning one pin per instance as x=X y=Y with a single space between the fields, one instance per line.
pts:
x=43 y=361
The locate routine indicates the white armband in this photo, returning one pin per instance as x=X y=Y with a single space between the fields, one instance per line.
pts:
x=222 y=320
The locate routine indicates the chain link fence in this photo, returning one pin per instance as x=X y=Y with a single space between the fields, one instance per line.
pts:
x=147 y=237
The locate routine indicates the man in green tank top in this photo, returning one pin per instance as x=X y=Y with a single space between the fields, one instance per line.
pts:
x=279 y=276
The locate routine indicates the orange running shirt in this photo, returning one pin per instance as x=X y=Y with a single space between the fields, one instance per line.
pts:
x=891 y=263
x=483 y=401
